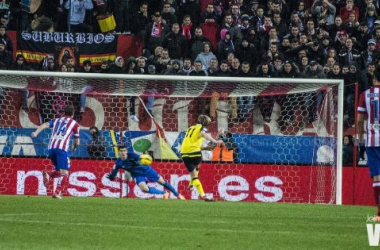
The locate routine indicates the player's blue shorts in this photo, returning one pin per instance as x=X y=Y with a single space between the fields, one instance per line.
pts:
x=60 y=159
x=149 y=175
x=373 y=160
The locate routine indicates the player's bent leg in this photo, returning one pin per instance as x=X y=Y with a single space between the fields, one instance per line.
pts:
x=168 y=186
x=151 y=190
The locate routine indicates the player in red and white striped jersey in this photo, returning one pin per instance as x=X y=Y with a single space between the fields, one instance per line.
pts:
x=62 y=130
x=368 y=109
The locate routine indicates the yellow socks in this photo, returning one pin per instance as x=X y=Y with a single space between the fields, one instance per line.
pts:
x=198 y=186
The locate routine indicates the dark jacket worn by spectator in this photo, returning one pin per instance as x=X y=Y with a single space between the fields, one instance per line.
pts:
x=225 y=45
x=196 y=45
x=97 y=147
x=176 y=45
x=155 y=32
x=247 y=52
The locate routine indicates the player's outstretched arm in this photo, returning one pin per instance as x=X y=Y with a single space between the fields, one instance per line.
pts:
x=39 y=129
x=111 y=176
x=209 y=138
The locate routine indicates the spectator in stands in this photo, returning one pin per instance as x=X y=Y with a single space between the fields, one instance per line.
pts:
x=335 y=73
x=233 y=29
x=200 y=101
x=225 y=45
x=219 y=10
x=6 y=39
x=87 y=68
x=366 y=77
x=197 y=43
x=345 y=11
x=352 y=77
x=188 y=28
x=131 y=66
x=4 y=20
x=173 y=69
x=186 y=68
x=20 y=64
x=175 y=43
x=118 y=66
x=280 y=25
x=206 y=56
x=155 y=32
x=97 y=147
x=269 y=39
x=314 y=70
x=370 y=54
x=235 y=67
x=316 y=52
x=349 y=54
x=193 y=9
x=141 y=20
x=168 y=17
x=5 y=56
x=253 y=39
x=324 y=9
x=216 y=93
x=289 y=70
x=364 y=35
x=48 y=64
x=258 y=20
x=141 y=67
x=104 y=67
x=370 y=16
x=78 y=10
x=348 y=150
x=247 y=52
x=153 y=58
x=162 y=61
x=296 y=22
x=214 y=67
x=209 y=16
x=352 y=25
x=70 y=63
x=244 y=26
x=245 y=103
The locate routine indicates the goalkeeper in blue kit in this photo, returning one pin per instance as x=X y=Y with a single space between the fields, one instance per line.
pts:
x=130 y=162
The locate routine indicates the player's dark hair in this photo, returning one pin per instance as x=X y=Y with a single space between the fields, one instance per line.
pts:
x=69 y=110
x=122 y=147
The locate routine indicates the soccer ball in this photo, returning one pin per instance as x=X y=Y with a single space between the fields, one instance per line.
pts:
x=146 y=159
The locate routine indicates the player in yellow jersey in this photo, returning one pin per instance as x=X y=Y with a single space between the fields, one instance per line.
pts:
x=191 y=151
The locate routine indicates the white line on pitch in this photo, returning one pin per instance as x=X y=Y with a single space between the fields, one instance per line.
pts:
x=162 y=228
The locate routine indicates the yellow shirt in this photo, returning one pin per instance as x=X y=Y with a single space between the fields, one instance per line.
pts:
x=191 y=145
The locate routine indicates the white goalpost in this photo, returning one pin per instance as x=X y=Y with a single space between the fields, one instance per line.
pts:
x=287 y=134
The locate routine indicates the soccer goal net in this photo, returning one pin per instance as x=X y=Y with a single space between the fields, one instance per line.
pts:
x=282 y=137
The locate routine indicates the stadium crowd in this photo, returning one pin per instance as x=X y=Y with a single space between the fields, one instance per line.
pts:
x=332 y=39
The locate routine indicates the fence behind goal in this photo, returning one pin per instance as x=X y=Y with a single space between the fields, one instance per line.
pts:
x=285 y=133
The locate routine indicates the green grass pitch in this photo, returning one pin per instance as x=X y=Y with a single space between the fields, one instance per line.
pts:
x=38 y=222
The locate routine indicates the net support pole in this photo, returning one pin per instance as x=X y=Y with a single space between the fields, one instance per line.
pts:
x=339 y=146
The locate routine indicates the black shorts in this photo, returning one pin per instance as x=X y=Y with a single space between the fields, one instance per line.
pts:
x=192 y=163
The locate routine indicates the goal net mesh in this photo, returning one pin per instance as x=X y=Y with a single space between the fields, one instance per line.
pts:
x=280 y=137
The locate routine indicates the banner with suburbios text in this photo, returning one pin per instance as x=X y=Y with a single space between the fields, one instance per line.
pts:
x=36 y=45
